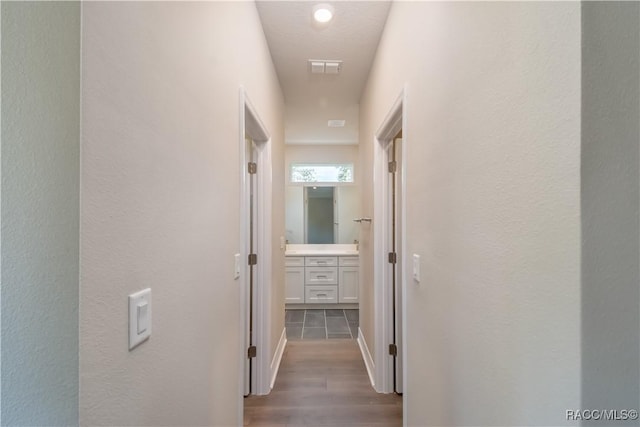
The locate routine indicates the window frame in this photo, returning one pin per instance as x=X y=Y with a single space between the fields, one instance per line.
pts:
x=294 y=165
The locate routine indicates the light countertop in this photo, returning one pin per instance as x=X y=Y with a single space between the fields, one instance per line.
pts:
x=329 y=250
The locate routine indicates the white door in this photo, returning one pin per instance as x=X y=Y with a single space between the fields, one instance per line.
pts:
x=399 y=266
x=255 y=251
x=395 y=243
x=250 y=366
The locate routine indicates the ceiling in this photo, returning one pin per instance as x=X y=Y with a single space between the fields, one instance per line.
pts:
x=312 y=100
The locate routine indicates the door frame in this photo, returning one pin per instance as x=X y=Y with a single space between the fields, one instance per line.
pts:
x=252 y=126
x=395 y=120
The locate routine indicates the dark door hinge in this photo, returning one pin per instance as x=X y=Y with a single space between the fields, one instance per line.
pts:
x=252 y=167
x=393 y=257
x=253 y=259
x=393 y=166
x=393 y=350
x=252 y=352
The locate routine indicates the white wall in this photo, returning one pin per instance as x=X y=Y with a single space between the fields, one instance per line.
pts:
x=610 y=228
x=40 y=212
x=493 y=207
x=160 y=200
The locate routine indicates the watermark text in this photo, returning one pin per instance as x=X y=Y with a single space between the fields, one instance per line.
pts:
x=601 y=414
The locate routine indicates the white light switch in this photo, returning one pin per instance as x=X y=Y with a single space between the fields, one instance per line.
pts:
x=416 y=267
x=236 y=266
x=143 y=319
x=139 y=317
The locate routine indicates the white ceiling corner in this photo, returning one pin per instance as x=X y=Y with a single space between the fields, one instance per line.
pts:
x=313 y=99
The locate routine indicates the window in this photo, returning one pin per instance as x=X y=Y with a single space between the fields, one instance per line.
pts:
x=321 y=173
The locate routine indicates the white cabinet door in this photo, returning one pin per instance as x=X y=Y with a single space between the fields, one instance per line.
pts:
x=294 y=285
x=348 y=283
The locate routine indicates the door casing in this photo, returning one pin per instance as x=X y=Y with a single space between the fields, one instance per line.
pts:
x=395 y=120
x=251 y=126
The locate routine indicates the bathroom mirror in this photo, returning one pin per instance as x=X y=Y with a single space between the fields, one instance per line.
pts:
x=321 y=214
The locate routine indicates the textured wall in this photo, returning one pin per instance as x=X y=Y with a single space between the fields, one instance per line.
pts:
x=493 y=178
x=160 y=199
x=610 y=228
x=40 y=207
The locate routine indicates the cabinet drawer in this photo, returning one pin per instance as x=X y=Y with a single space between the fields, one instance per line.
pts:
x=321 y=294
x=349 y=261
x=321 y=275
x=294 y=261
x=321 y=261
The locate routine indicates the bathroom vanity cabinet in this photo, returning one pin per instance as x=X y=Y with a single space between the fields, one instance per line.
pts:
x=321 y=279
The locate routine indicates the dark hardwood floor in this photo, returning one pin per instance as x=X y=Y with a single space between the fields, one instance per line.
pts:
x=323 y=383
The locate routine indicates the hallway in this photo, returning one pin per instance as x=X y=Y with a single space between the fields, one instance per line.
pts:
x=124 y=167
x=323 y=383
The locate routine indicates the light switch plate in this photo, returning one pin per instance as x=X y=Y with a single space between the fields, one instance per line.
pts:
x=416 y=267
x=139 y=317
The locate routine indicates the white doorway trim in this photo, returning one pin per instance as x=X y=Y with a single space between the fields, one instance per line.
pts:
x=383 y=310
x=251 y=126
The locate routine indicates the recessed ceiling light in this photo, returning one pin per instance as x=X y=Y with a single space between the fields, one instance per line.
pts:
x=323 y=12
x=336 y=123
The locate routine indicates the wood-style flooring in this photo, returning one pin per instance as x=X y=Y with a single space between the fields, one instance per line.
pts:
x=323 y=383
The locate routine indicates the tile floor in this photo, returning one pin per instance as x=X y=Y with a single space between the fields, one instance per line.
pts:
x=318 y=324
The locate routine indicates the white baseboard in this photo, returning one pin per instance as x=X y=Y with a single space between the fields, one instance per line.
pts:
x=277 y=357
x=368 y=360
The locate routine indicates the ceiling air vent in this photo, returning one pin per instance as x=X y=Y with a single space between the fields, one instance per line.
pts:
x=317 y=67
x=336 y=123
x=323 y=66
x=331 y=67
